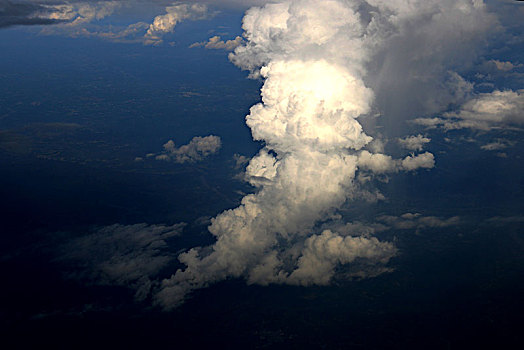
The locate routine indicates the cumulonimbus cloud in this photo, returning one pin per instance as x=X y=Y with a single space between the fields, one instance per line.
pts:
x=323 y=64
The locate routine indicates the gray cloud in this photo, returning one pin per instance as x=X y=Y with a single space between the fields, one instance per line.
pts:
x=418 y=221
x=129 y=256
x=381 y=163
x=414 y=143
x=498 y=145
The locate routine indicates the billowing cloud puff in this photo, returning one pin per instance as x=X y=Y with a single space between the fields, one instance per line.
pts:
x=310 y=104
x=425 y=160
x=197 y=149
x=377 y=163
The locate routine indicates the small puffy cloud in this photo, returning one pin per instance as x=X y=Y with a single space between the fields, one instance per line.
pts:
x=166 y=23
x=377 y=162
x=414 y=143
x=197 y=149
x=487 y=111
x=380 y=163
x=119 y=255
x=425 y=160
x=217 y=44
x=262 y=169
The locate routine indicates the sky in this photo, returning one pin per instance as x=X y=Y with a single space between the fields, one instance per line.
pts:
x=300 y=173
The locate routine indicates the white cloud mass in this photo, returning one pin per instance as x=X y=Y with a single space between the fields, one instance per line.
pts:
x=129 y=256
x=414 y=143
x=325 y=64
x=216 y=43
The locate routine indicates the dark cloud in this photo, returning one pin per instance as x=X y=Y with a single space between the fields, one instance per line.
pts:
x=120 y=255
x=23 y=13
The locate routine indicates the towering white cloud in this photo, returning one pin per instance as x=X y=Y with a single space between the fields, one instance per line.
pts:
x=320 y=60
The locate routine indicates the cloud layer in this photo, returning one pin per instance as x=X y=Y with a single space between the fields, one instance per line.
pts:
x=129 y=256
